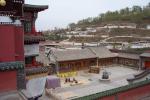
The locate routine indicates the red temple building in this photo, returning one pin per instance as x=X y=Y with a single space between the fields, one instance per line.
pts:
x=11 y=47
x=18 y=43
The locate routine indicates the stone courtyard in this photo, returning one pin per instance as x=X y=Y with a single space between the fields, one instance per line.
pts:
x=89 y=83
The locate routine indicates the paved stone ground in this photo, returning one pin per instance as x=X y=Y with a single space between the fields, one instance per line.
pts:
x=118 y=78
x=44 y=97
x=13 y=95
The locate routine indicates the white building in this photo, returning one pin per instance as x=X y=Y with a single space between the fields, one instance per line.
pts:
x=92 y=30
x=31 y=49
x=120 y=25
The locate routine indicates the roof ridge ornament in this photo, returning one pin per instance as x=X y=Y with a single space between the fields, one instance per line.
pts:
x=2 y=3
x=12 y=8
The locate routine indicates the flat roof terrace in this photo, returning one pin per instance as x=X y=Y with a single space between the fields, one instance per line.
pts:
x=90 y=83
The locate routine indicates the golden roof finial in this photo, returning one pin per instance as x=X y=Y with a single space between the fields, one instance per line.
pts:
x=2 y=2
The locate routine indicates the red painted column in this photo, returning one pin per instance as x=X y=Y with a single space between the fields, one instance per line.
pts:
x=19 y=43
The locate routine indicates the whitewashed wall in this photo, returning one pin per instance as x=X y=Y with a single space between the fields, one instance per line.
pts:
x=31 y=49
x=120 y=26
x=35 y=87
x=5 y=19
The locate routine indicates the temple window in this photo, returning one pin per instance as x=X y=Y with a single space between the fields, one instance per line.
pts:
x=28 y=60
x=27 y=26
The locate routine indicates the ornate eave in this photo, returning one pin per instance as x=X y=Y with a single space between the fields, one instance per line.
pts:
x=33 y=39
x=11 y=65
x=32 y=55
x=34 y=8
x=36 y=70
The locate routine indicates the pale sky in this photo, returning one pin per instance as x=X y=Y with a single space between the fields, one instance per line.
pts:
x=63 y=12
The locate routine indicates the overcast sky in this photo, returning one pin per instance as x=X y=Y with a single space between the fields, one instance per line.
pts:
x=63 y=12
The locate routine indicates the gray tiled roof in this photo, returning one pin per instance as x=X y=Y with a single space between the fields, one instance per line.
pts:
x=128 y=55
x=37 y=70
x=147 y=54
x=73 y=54
x=33 y=39
x=89 y=52
x=35 y=7
x=102 y=52
x=93 y=52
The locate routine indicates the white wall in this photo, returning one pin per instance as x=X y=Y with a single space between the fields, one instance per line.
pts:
x=35 y=87
x=120 y=26
x=31 y=49
x=5 y=19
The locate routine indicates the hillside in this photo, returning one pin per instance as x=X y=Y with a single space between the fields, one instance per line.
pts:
x=136 y=14
x=129 y=32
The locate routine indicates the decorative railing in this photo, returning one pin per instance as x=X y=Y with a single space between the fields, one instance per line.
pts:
x=36 y=70
x=11 y=65
x=33 y=39
x=113 y=91
x=9 y=23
